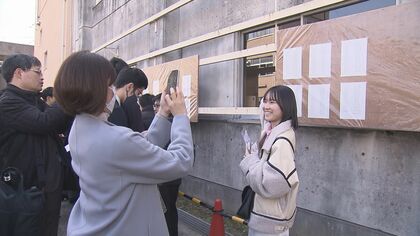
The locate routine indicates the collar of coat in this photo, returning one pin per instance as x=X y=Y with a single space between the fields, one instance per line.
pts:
x=275 y=132
x=27 y=95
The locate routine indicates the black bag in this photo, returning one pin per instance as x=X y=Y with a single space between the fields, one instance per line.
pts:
x=20 y=211
x=245 y=209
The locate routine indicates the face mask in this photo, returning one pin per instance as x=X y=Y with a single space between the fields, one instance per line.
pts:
x=109 y=107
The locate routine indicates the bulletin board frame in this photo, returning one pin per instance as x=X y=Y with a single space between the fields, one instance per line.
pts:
x=367 y=76
x=187 y=81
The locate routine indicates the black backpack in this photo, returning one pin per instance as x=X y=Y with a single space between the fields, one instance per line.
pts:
x=20 y=210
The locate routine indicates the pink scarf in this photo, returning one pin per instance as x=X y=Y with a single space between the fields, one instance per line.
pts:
x=273 y=133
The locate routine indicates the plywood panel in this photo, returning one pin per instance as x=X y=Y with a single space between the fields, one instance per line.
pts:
x=188 y=71
x=392 y=74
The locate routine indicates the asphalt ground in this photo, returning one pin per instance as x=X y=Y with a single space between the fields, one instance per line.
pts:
x=183 y=229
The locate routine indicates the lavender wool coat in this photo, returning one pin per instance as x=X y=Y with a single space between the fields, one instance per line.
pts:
x=119 y=171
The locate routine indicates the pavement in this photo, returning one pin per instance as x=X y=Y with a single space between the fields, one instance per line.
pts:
x=183 y=229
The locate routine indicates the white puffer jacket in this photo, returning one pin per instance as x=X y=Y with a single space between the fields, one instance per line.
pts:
x=274 y=179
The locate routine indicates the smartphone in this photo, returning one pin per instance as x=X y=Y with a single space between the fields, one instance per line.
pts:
x=172 y=81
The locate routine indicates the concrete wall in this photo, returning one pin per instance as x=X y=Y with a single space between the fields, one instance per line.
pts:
x=357 y=178
x=361 y=182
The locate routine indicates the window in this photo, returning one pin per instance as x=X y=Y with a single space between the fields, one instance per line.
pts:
x=45 y=60
x=348 y=10
x=288 y=24
x=256 y=66
x=260 y=62
x=40 y=36
x=260 y=33
x=259 y=71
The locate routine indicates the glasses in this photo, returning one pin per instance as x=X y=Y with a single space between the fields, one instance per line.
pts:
x=39 y=72
x=138 y=92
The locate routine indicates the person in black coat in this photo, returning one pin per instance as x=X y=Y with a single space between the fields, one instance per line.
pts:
x=29 y=138
x=129 y=85
x=147 y=112
x=47 y=96
x=118 y=115
x=169 y=190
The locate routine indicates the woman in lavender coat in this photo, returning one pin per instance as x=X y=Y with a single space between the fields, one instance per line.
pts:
x=119 y=169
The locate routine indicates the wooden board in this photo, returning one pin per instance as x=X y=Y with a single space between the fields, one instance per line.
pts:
x=392 y=73
x=188 y=70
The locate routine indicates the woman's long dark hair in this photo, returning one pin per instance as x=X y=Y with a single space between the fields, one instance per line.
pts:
x=286 y=100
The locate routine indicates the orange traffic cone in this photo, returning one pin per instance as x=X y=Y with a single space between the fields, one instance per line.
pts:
x=217 y=227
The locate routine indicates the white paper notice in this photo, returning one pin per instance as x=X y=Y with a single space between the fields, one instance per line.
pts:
x=292 y=63
x=156 y=87
x=319 y=101
x=188 y=105
x=320 y=60
x=297 y=90
x=354 y=57
x=353 y=101
x=186 y=85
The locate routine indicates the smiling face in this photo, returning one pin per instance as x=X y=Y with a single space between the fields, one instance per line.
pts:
x=272 y=110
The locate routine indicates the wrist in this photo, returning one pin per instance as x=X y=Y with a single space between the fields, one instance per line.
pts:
x=164 y=114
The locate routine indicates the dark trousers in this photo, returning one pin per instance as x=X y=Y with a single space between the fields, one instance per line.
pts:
x=169 y=193
x=51 y=213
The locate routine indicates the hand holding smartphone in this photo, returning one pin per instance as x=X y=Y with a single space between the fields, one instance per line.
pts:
x=172 y=81
x=175 y=100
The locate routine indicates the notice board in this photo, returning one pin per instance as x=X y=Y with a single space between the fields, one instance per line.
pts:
x=187 y=81
x=358 y=71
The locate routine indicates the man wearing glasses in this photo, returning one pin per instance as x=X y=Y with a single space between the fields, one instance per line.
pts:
x=129 y=85
x=29 y=138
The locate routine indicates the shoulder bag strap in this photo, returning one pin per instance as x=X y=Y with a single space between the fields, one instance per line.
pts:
x=275 y=140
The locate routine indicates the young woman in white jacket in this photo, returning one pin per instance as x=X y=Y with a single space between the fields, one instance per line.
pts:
x=271 y=171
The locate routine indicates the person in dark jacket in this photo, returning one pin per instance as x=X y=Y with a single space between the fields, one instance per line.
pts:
x=29 y=136
x=169 y=190
x=146 y=105
x=117 y=114
x=118 y=64
x=129 y=84
x=47 y=96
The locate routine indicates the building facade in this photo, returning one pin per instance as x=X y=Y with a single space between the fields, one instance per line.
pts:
x=53 y=36
x=7 y=49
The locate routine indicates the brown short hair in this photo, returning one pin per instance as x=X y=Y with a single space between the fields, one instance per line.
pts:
x=82 y=82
